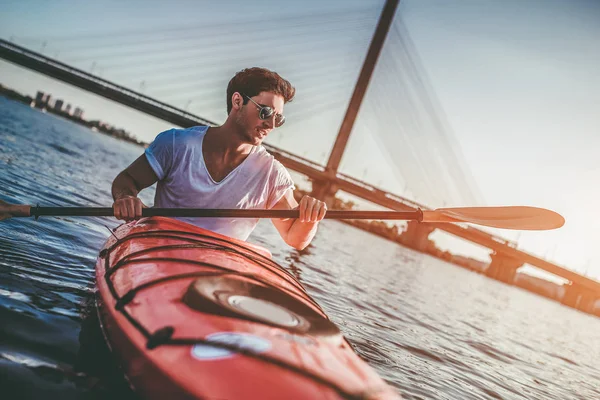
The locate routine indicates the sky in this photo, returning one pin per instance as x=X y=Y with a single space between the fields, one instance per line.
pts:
x=513 y=84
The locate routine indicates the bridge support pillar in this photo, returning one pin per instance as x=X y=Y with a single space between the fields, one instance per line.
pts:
x=580 y=297
x=324 y=191
x=503 y=267
x=416 y=236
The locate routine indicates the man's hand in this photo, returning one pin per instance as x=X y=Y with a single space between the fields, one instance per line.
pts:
x=311 y=209
x=128 y=208
x=298 y=232
x=127 y=185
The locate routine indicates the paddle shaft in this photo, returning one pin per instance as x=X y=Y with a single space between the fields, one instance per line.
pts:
x=216 y=213
x=510 y=217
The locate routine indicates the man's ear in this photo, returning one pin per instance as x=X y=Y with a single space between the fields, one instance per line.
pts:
x=237 y=100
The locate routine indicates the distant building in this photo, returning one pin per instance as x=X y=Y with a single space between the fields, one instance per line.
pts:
x=39 y=98
x=68 y=109
x=58 y=105
x=42 y=99
x=78 y=113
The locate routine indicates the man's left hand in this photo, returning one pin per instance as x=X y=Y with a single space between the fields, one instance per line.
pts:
x=311 y=209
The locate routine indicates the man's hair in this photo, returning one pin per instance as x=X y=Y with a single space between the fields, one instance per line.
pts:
x=252 y=81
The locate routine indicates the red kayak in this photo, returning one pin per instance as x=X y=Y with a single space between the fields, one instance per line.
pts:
x=191 y=314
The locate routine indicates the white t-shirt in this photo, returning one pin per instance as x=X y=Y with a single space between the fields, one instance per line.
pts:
x=259 y=182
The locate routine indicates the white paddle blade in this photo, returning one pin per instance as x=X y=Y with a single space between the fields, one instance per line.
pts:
x=512 y=217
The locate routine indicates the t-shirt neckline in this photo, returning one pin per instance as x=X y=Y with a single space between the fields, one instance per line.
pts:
x=232 y=172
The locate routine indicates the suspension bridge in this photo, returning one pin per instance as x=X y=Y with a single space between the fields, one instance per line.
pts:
x=426 y=155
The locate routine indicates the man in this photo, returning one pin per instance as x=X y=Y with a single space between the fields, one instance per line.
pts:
x=225 y=166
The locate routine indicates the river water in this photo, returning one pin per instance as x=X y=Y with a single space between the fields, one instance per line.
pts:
x=431 y=329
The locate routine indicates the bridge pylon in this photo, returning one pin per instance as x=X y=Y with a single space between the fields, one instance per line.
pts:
x=383 y=26
x=580 y=298
x=503 y=267
x=416 y=236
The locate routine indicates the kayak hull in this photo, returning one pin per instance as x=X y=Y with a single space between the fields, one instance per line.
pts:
x=190 y=314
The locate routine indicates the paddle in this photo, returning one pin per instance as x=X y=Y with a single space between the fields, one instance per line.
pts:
x=514 y=217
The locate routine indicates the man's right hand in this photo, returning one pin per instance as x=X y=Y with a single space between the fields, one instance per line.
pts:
x=128 y=208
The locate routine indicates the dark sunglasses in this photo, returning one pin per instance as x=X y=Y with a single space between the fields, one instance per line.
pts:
x=266 y=112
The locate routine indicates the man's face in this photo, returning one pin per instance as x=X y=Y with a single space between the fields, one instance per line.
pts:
x=254 y=129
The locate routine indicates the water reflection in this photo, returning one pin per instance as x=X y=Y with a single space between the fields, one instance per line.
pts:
x=95 y=362
x=294 y=264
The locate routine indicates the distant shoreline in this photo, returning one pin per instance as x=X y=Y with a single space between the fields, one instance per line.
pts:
x=94 y=125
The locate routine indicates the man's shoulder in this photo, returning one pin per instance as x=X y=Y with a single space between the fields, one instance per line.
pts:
x=274 y=164
x=193 y=131
x=184 y=137
x=181 y=133
x=266 y=157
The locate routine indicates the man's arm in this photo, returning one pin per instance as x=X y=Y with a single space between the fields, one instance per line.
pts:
x=298 y=232
x=139 y=175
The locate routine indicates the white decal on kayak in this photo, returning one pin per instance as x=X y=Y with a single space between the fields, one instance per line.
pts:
x=244 y=341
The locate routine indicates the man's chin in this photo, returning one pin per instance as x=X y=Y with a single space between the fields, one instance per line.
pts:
x=255 y=140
